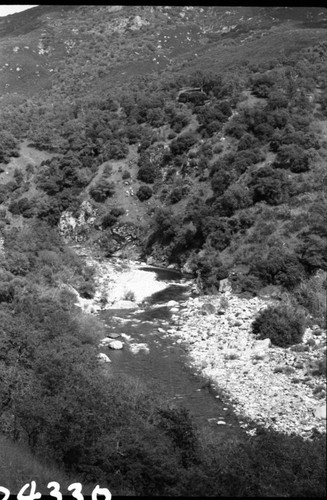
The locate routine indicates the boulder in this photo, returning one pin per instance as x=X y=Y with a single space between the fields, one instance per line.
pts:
x=136 y=348
x=113 y=335
x=208 y=308
x=262 y=345
x=116 y=344
x=174 y=310
x=320 y=411
x=172 y=303
x=224 y=286
x=103 y=358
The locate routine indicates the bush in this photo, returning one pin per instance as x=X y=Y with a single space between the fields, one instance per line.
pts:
x=126 y=175
x=129 y=295
x=115 y=150
x=144 y=193
x=147 y=173
x=270 y=186
x=248 y=141
x=235 y=129
x=278 y=268
x=87 y=290
x=176 y=195
x=283 y=325
x=102 y=190
x=6 y=292
x=181 y=144
x=293 y=157
x=111 y=218
x=311 y=294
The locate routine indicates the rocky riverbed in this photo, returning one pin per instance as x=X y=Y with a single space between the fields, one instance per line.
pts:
x=272 y=386
x=269 y=386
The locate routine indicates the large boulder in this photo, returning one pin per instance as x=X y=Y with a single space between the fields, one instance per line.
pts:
x=262 y=345
x=115 y=344
x=107 y=340
x=208 y=308
x=103 y=358
x=113 y=335
x=320 y=411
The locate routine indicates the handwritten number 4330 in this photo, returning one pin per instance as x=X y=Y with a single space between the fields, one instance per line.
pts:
x=75 y=488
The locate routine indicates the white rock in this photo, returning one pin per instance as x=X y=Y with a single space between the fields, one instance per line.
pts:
x=172 y=303
x=116 y=344
x=103 y=358
x=262 y=345
x=321 y=411
x=174 y=309
x=135 y=348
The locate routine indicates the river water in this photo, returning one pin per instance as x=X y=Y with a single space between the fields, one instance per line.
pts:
x=155 y=357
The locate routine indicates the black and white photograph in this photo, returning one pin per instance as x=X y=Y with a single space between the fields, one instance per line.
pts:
x=163 y=251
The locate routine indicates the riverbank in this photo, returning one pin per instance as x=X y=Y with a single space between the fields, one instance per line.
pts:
x=120 y=284
x=271 y=386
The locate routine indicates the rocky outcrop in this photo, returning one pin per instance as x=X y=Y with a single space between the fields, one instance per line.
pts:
x=76 y=226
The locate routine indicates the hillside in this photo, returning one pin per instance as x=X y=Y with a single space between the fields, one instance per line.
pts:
x=190 y=137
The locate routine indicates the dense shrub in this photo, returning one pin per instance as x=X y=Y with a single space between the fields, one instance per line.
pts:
x=311 y=294
x=14 y=208
x=179 y=121
x=111 y=217
x=115 y=150
x=8 y=146
x=312 y=251
x=144 y=193
x=181 y=144
x=6 y=292
x=283 y=325
x=278 y=268
x=147 y=173
x=234 y=198
x=247 y=141
x=235 y=129
x=210 y=270
x=102 y=190
x=262 y=85
x=292 y=157
x=87 y=290
x=270 y=186
x=126 y=175
x=176 y=195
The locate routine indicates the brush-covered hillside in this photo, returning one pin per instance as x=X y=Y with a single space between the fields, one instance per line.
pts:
x=192 y=136
x=197 y=133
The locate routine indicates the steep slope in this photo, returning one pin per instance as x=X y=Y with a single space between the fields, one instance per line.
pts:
x=193 y=137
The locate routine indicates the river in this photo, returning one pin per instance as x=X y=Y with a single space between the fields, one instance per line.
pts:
x=152 y=355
